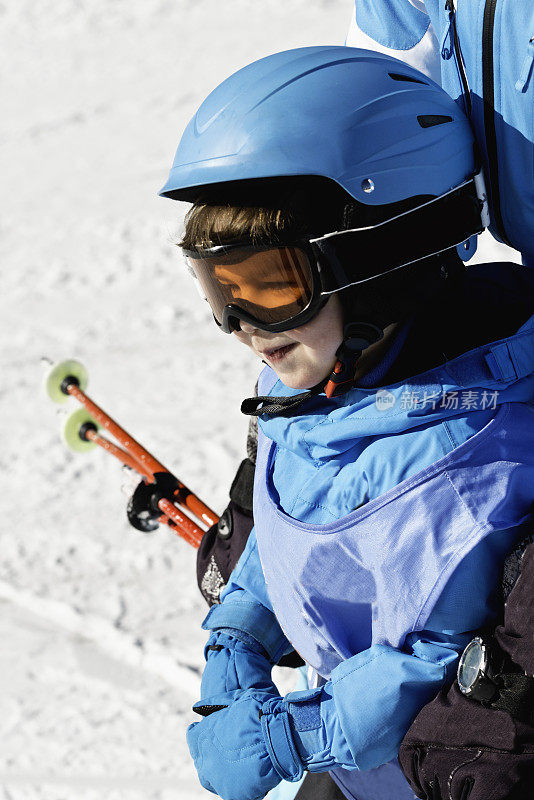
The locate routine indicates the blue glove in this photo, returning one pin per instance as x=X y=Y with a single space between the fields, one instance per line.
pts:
x=234 y=664
x=243 y=750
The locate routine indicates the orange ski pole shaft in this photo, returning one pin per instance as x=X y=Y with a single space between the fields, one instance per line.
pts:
x=171 y=516
x=184 y=496
x=181 y=524
x=123 y=456
x=178 y=522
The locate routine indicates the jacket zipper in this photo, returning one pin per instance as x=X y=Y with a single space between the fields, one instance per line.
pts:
x=447 y=52
x=488 y=90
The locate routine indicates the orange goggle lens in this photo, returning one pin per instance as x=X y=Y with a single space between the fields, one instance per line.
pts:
x=272 y=284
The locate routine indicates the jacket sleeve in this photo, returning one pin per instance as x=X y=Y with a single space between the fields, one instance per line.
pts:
x=223 y=543
x=359 y=717
x=397 y=28
x=245 y=609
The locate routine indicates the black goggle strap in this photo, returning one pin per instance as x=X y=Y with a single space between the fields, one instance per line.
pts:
x=425 y=231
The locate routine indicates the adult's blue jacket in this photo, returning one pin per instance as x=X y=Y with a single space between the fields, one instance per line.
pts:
x=497 y=44
x=348 y=452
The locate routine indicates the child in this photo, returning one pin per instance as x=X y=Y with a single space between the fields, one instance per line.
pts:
x=331 y=187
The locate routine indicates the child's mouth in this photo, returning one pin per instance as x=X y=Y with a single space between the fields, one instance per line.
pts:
x=278 y=353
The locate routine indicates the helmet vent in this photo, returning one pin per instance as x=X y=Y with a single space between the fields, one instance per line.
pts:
x=429 y=120
x=408 y=78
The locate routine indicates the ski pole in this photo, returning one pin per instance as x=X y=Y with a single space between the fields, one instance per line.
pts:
x=171 y=516
x=160 y=489
x=184 y=496
x=90 y=433
x=180 y=524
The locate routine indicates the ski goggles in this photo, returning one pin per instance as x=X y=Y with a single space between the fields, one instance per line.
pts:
x=273 y=287
x=280 y=287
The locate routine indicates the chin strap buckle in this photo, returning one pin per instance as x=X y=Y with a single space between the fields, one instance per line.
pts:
x=356 y=337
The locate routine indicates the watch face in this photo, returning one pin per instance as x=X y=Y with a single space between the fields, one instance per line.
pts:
x=472 y=665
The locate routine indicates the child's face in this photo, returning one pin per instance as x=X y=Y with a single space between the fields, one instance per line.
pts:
x=303 y=356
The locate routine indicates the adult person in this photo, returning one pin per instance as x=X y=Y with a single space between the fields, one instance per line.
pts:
x=482 y=53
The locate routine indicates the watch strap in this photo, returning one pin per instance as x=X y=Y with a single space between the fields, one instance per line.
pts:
x=515 y=696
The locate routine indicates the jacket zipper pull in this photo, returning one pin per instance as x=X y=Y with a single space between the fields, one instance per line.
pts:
x=526 y=70
x=448 y=49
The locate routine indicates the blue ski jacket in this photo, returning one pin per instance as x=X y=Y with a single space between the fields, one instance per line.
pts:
x=416 y=584
x=496 y=39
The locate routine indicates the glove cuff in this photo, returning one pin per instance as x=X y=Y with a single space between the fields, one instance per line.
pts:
x=276 y=730
x=252 y=619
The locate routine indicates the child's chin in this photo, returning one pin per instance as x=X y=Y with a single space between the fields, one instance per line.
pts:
x=300 y=382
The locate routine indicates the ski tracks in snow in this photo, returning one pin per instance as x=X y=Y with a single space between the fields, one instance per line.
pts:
x=120 y=645
x=72 y=683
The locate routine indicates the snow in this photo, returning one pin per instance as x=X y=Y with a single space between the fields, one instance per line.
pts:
x=100 y=623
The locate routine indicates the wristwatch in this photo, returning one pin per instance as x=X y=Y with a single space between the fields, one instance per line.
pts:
x=487 y=675
x=476 y=673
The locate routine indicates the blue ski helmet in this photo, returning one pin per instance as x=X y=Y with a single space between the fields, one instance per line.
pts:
x=386 y=134
x=378 y=128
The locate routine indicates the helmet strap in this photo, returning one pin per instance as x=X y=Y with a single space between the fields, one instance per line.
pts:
x=357 y=336
x=278 y=406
